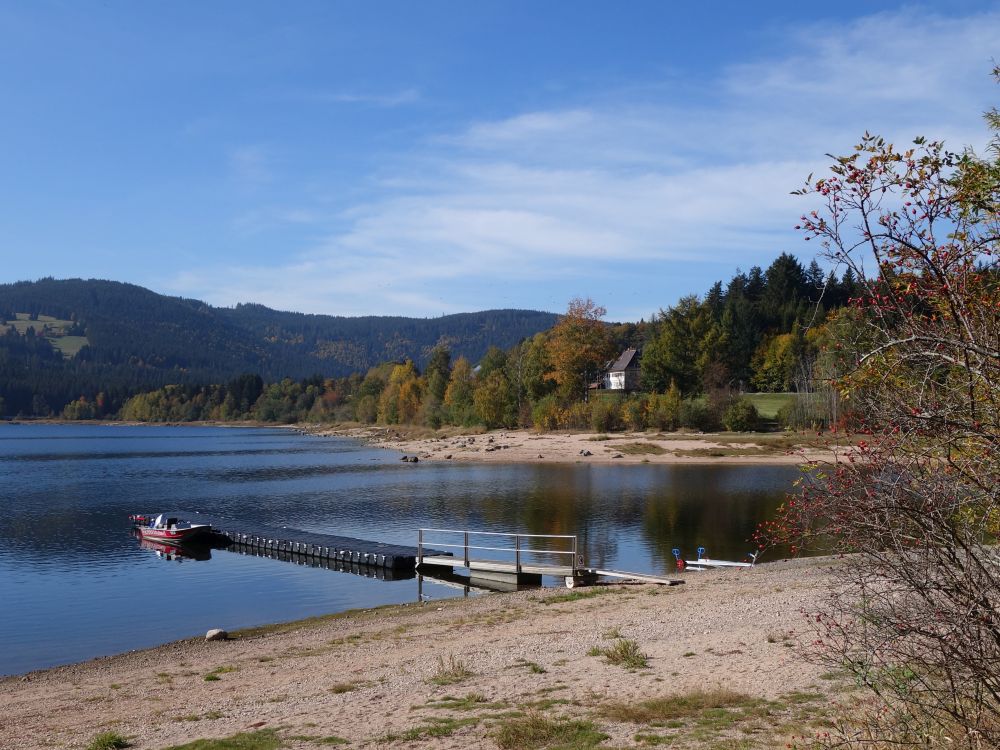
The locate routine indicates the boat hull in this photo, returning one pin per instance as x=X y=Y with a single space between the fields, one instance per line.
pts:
x=175 y=536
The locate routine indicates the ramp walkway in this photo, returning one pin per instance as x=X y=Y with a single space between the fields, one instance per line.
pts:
x=514 y=559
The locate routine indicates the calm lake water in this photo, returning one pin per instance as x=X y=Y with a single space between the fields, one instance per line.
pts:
x=75 y=584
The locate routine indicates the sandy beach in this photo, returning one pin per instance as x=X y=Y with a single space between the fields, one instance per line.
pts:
x=527 y=446
x=473 y=673
x=462 y=673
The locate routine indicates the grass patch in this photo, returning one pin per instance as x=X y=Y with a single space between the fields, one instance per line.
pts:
x=712 y=719
x=210 y=716
x=531 y=666
x=470 y=702
x=536 y=731
x=641 y=449
x=768 y=404
x=108 y=741
x=797 y=698
x=68 y=345
x=544 y=704
x=727 y=451
x=265 y=739
x=573 y=596
x=329 y=740
x=343 y=687
x=53 y=329
x=214 y=674
x=451 y=671
x=624 y=652
x=434 y=728
x=350 y=639
x=678 y=708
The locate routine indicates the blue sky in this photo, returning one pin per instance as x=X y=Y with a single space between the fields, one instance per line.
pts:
x=424 y=158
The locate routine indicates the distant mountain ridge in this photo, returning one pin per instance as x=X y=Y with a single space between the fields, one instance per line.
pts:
x=138 y=339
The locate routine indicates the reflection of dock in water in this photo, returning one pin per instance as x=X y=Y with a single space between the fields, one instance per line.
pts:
x=465 y=583
x=327 y=563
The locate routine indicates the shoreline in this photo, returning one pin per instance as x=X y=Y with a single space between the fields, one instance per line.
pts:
x=524 y=446
x=370 y=677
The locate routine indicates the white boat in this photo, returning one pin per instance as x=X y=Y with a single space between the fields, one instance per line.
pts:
x=707 y=563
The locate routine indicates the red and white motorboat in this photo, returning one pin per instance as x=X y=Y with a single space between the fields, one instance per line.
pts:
x=169 y=530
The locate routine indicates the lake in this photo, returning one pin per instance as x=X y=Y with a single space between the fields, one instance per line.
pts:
x=75 y=584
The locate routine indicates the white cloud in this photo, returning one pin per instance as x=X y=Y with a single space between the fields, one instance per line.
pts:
x=560 y=199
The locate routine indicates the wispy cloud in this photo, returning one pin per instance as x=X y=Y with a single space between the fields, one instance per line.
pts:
x=556 y=201
x=373 y=99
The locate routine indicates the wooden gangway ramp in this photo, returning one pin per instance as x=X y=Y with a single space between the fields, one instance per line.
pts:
x=516 y=558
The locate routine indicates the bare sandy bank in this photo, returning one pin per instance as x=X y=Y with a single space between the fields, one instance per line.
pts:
x=368 y=677
x=527 y=446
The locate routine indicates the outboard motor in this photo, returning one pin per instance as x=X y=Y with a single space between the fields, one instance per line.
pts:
x=680 y=560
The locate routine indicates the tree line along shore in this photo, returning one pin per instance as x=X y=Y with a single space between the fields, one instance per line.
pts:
x=758 y=353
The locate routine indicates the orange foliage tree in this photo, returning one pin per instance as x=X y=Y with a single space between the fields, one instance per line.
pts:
x=579 y=347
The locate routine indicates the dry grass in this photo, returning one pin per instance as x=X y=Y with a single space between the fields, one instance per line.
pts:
x=658 y=711
x=451 y=671
x=435 y=727
x=624 y=652
x=722 y=719
x=108 y=741
x=640 y=449
x=265 y=739
x=537 y=731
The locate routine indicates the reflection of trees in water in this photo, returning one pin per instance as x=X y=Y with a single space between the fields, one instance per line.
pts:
x=623 y=516
x=621 y=513
x=563 y=501
x=714 y=507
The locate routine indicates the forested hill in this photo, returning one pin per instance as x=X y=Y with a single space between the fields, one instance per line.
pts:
x=92 y=336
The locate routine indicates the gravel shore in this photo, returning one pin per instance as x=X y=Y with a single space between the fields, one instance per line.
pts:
x=454 y=673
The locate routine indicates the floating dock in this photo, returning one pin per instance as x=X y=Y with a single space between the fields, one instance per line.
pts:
x=294 y=545
x=493 y=559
